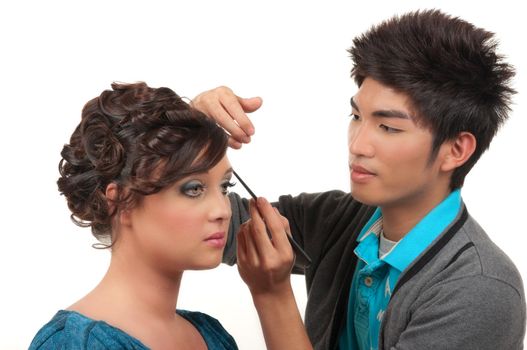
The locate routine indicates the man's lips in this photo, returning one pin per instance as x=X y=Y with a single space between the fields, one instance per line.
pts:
x=360 y=174
x=360 y=170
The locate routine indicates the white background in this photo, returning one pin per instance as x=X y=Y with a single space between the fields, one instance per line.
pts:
x=55 y=56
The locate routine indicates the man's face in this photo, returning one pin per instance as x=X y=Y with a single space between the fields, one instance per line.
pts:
x=389 y=154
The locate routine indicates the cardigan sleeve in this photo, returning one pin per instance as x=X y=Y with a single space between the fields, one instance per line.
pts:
x=312 y=217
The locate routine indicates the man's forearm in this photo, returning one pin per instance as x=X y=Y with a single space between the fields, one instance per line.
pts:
x=281 y=322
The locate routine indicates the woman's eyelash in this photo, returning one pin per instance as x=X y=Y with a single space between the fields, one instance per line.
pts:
x=195 y=190
x=192 y=189
x=227 y=185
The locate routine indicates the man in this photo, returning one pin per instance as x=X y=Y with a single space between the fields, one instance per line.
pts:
x=399 y=263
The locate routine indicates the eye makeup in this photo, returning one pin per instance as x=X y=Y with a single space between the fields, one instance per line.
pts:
x=302 y=259
x=192 y=188
x=226 y=185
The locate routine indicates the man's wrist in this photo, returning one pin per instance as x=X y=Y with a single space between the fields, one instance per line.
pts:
x=277 y=297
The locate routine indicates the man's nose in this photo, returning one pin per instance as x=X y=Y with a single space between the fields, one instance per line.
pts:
x=359 y=141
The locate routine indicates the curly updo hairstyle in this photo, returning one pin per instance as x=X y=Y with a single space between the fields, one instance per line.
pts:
x=140 y=138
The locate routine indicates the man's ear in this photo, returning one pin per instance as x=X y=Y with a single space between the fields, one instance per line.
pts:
x=112 y=193
x=458 y=151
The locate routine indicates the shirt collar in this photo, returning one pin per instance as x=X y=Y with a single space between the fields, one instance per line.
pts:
x=419 y=237
x=372 y=226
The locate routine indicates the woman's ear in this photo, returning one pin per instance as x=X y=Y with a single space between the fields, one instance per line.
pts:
x=458 y=151
x=112 y=195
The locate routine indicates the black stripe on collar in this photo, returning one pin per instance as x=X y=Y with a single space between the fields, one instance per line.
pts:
x=432 y=251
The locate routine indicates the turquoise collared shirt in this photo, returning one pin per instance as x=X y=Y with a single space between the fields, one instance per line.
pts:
x=375 y=277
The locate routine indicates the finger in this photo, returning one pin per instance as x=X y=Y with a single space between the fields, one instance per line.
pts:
x=248 y=105
x=287 y=229
x=245 y=128
x=228 y=122
x=241 y=247
x=234 y=107
x=252 y=256
x=251 y=104
x=212 y=104
x=274 y=223
x=285 y=222
x=229 y=110
x=259 y=233
x=234 y=144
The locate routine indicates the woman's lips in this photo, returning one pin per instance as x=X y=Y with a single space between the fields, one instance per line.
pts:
x=217 y=239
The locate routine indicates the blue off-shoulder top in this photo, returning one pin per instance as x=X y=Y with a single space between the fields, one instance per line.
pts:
x=70 y=330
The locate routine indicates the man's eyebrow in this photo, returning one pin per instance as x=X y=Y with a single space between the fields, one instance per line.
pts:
x=392 y=113
x=384 y=113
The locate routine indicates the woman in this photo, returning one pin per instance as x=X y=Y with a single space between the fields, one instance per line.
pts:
x=149 y=175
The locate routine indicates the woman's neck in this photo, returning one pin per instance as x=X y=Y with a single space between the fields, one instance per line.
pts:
x=142 y=286
x=132 y=289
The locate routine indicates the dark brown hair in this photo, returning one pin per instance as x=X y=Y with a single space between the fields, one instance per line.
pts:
x=450 y=70
x=140 y=138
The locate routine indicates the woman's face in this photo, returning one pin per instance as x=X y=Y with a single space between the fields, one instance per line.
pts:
x=184 y=226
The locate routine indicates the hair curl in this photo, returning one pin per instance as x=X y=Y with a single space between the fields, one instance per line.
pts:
x=140 y=138
x=450 y=70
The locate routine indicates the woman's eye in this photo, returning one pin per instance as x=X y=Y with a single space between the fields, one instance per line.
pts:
x=193 y=189
x=226 y=185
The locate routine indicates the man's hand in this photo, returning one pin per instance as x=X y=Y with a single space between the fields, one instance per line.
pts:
x=229 y=111
x=264 y=264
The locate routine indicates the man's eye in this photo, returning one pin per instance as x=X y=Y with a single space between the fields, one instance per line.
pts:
x=389 y=129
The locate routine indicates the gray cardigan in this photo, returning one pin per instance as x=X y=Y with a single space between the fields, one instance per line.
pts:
x=463 y=292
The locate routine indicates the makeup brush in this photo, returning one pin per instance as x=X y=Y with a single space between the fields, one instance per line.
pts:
x=302 y=258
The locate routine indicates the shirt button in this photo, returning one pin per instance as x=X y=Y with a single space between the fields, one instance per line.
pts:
x=368 y=281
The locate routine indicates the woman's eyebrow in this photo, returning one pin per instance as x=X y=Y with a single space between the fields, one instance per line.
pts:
x=354 y=105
